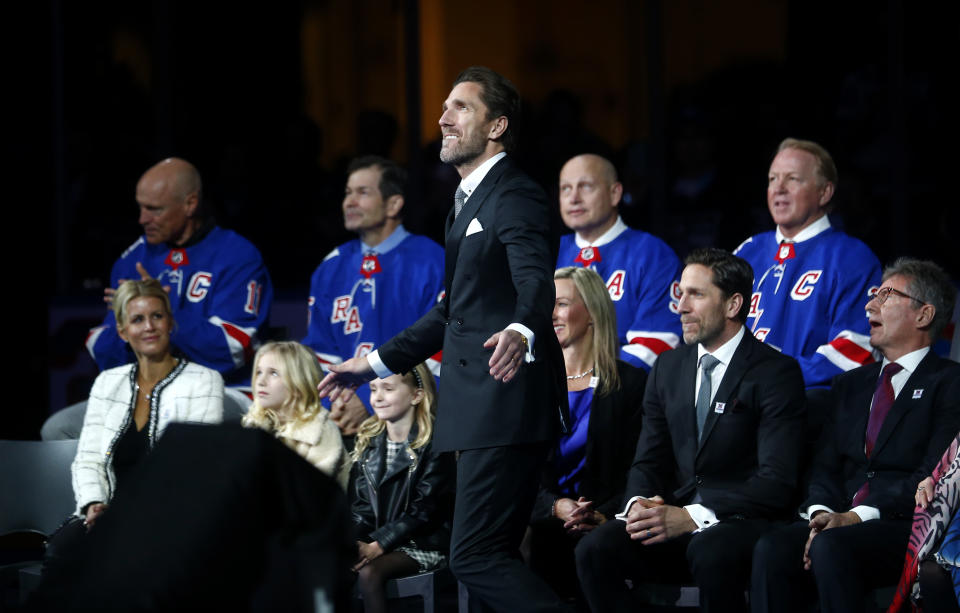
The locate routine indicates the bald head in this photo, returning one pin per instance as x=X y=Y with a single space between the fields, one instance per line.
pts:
x=175 y=175
x=169 y=198
x=589 y=195
x=598 y=165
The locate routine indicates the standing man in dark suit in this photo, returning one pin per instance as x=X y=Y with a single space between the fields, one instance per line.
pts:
x=888 y=425
x=717 y=458
x=502 y=385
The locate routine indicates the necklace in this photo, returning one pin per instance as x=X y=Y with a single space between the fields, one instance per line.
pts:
x=146 y=394
x=581 y=375
x=143 y=386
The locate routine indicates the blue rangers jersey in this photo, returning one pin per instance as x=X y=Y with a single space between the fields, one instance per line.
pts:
x=220 y=292
x=642 y=275
x=361 y=297
x=809 y=297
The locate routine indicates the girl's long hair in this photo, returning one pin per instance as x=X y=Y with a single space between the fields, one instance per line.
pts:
x=301 y=375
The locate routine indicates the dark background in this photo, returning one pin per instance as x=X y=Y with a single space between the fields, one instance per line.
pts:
x=688 y=98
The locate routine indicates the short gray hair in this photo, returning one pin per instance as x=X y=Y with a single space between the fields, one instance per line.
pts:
x=928 y=282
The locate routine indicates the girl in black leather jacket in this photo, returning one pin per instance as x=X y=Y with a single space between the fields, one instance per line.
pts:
x=402 y=495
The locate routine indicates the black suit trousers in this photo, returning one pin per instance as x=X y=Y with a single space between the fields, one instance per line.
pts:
x=496 y=487
x=846 y=563
x=718 y=560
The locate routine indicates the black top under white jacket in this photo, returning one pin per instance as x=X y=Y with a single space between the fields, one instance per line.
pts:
x=410 y=501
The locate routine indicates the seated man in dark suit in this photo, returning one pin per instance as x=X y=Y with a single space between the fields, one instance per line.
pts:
x=888 y=426
x=717 y=458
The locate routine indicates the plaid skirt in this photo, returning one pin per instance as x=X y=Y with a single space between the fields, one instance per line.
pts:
x=428 y=560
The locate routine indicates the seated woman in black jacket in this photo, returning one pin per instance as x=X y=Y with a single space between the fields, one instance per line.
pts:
x=402 y=497
x=585 y=478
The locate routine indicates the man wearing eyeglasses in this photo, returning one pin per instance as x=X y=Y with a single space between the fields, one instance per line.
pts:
x=810 y=279
x=888 y=426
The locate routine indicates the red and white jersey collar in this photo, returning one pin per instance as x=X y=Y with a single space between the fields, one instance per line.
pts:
x=618 y=228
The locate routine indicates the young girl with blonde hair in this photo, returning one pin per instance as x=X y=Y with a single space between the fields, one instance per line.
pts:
x=286 y=403
x=403 y=490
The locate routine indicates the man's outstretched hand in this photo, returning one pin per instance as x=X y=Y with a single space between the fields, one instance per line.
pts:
x=343 y=379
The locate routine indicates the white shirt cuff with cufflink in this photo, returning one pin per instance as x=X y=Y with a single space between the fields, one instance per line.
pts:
x=529 y=335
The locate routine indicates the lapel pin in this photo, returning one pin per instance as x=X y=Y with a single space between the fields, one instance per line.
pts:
x=719 y=407
x=917 y=393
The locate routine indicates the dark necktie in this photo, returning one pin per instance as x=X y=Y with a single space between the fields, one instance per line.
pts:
x=458 y=199
x=707 y=364
x=882 y=401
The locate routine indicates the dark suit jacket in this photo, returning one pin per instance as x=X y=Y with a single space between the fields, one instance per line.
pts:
x=920 y=425
x=615 y=421
x=746 y=463
x=496 y=276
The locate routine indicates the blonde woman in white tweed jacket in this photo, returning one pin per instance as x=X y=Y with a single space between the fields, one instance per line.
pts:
x=286 y=403
x=131 y=406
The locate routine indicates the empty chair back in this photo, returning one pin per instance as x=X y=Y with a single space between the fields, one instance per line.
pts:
x=36 y=493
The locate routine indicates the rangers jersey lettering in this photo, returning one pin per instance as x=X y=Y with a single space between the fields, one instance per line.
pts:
x=641 y=274
x=359 y=301
x=809 y=296
x=220 y=292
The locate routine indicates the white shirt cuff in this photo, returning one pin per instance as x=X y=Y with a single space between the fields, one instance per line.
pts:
x=702 y=516
x=813 y=509
x=622 y=515
x=866 y=513
x=373 y=358
x=530 y=336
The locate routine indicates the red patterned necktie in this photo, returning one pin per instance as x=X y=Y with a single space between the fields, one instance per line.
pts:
x=882 y=401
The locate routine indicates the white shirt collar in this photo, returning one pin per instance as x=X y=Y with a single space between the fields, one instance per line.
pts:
x=615 y=231
x=807 y=233
x=909 y=361
x=472 y=180
x=725 y=352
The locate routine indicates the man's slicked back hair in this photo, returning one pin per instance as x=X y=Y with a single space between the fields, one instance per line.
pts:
x=500 y=97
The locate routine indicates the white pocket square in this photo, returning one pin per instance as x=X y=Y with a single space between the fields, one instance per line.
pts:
x=474 y=227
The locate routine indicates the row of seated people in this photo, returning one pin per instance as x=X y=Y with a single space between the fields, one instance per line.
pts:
x=717 y=495
x=810 y=278
x=401 y=489
x=698 y=496
x=493 y=326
